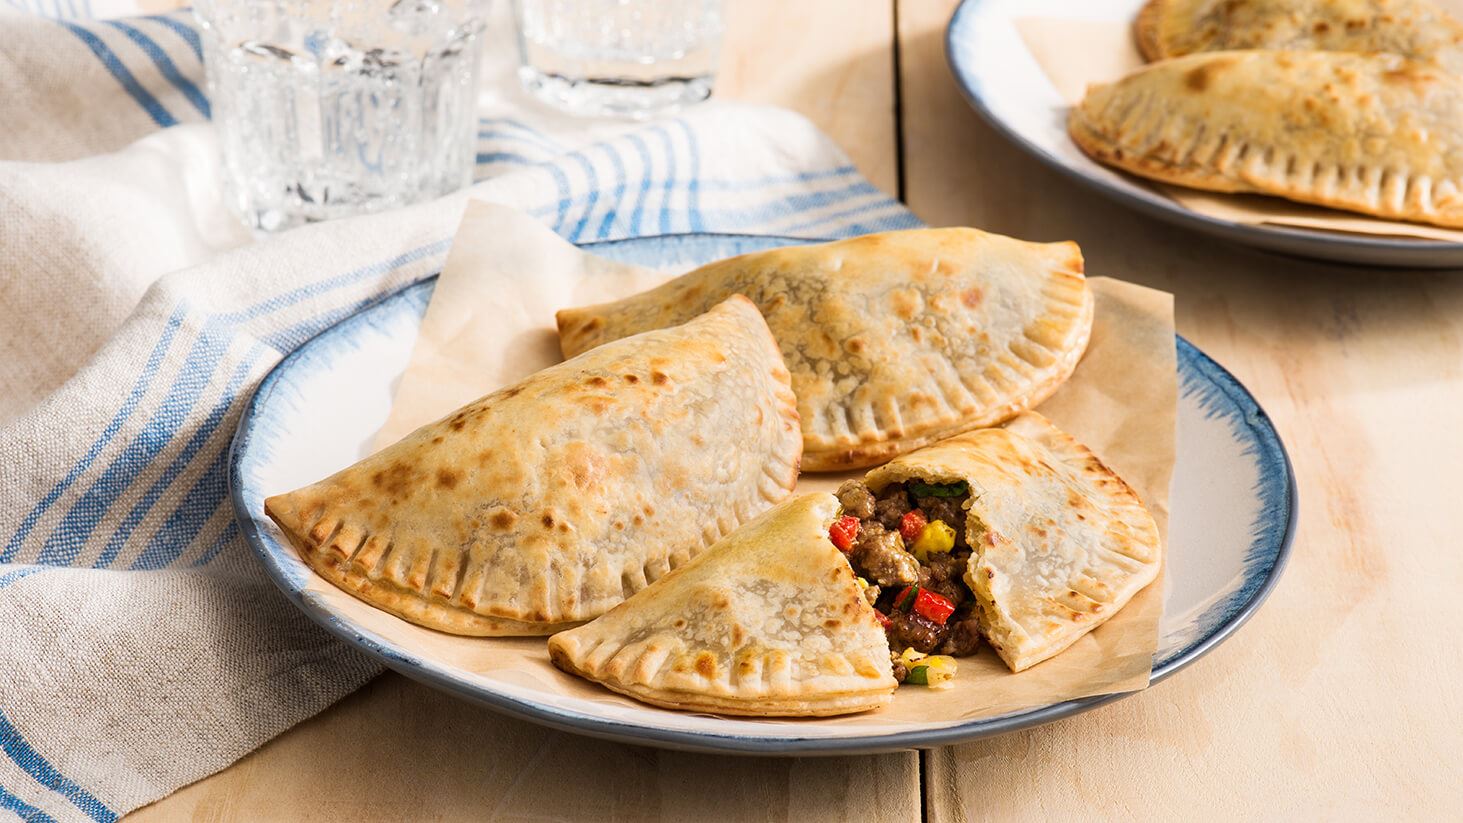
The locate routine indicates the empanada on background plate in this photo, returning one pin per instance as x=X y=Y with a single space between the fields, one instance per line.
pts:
x=993 y=63
x=1418 y=29
x=1372 y=133
x=1231 y=514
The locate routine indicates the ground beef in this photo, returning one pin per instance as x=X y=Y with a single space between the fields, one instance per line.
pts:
x=856 y=499
x=871 y=594
x=891 y=506
x=899 y=669
x=963 y=637
x=880 y=558
x=908 y=630
x=944 y=574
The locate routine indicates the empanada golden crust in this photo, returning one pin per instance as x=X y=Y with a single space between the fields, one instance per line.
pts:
x=1412 y=28
x=894 y=340
x=548 y=502
x=1060 y=542
x=768 y=622
x=1376 y=134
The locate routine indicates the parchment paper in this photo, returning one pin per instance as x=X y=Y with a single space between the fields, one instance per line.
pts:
x=1075 y=53
x=490 y=322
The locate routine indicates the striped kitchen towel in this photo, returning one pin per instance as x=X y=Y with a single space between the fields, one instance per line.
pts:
x=142 y=645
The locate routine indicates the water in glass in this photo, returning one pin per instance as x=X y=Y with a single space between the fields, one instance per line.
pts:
x=327 y=108
x=628 y=58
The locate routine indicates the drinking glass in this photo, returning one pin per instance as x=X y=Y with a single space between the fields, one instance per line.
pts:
x=625 y=58
x=327 y=108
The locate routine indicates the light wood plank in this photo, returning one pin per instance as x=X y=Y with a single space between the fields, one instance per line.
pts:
x=398 y=750
x=1339 y=699
x=831 y=61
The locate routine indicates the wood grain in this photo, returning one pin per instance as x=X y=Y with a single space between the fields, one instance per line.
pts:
x=831 y=61
x=398 y=750
x=1339 y=699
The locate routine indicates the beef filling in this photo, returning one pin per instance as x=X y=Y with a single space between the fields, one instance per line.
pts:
x=886 y=553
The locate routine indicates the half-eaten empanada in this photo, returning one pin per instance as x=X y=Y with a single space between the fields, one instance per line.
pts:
x=548 y=502
x=1053 y=543
x=894 y=340
x=768 y=622
x=1377 y=134
x=1412 y=28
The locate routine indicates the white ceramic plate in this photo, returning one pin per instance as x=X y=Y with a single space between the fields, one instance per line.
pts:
x=1233 y=513
x=1004 y=83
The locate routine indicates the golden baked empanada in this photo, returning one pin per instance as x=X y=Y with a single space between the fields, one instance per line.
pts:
x=548 y=502
x=894 y=340
x=1412 y=28
x=769 y=621
x=1377 y=134
x=1060 y=543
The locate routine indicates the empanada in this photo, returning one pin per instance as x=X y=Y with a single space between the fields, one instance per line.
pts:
x=1060 y=542
x=894 y=340
x=1377 y=134
x=1412 y=28
x=548 y=502
x=768 y=622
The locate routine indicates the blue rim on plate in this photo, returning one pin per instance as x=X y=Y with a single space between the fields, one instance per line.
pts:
x=1343 y=248
x=1220 y=394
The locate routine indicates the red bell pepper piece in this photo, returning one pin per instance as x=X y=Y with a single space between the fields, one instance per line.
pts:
x=843 y=532
x=911 y=524
x=906 y=597
x=883 y=619
x=932 y=606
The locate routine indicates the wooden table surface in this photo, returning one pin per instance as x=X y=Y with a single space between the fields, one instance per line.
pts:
x=1340 y=699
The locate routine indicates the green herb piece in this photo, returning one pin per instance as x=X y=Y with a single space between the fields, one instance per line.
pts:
x=918 y=489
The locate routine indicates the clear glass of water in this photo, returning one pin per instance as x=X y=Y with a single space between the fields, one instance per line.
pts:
x=619 y=58
x=327 y=108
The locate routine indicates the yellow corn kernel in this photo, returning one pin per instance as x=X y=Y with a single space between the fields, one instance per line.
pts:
x=862 y=583
x=941 y=670
x=911 y=656
x=935 y=537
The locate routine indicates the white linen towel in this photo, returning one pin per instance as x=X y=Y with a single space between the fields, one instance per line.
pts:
x=141 y=643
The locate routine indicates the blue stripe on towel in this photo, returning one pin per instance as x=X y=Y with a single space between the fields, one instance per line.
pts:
x=778 y=179
x=144 y=380
x=513 y=158
x=184 y=458
x=619 y=193
x=669 y=184
x=864 y=209
x=193 y=378
x=591 y=178
x=645 y=163
x=33 y=764
x=186 y=521
x=561 y=183
x=22 y=809
x=164 y=65
x=17 y=575
x=293 y=296
x=693 y=187
x=183 y=30
x=109 y=59
x=229 y=534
